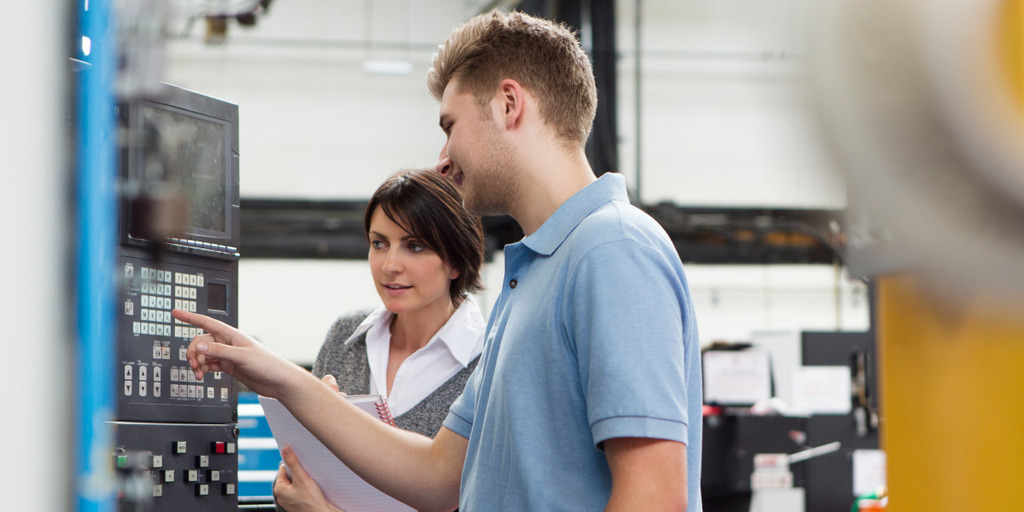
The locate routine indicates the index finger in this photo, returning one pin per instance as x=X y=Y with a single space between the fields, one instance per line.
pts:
x=210 y=325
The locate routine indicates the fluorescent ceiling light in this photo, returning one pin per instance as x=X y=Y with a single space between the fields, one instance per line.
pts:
x=387 y=67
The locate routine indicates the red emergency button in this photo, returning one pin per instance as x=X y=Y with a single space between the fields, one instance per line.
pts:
x=219 y=447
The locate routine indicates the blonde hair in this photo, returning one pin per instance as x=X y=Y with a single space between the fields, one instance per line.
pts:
x=544 y=57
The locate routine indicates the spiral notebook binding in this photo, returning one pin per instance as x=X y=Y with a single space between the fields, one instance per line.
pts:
x=385 y=412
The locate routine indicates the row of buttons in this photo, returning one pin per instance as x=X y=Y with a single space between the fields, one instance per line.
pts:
x=188 y=333
x=178 y=374
x=194 y=391
x=149 y=275
x=152 y=329
x=153 y=274
x=183 y=374
x=189 y=279
x=184 y=305
x=152 y=301
x=177 y=390
x=181 y=448
x=205 y=245
x=203 y=489
x=155 y=315
x=143 y=388
x=143 y=372
x=164 y=290
x=152 y=279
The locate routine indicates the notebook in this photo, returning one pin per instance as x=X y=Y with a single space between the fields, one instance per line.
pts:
x=343 y=488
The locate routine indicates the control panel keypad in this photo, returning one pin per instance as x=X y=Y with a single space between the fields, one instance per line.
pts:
x=159 y=292
x=156 y=368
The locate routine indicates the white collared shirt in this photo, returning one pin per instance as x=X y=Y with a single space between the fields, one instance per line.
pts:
x=451 y=349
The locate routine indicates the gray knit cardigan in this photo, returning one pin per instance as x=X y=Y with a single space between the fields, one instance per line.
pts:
x=348 y=364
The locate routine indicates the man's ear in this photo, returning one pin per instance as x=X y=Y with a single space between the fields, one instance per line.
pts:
x=513 y=102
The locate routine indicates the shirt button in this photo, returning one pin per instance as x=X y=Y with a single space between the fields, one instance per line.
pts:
x=513 y=283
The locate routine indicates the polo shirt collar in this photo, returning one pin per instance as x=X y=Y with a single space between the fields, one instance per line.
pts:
x=554 y=231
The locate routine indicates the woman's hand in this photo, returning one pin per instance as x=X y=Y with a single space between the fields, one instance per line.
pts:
x=331 y=382
x=298 y=492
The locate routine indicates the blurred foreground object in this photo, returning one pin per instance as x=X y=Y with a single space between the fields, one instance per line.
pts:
x=923 y=104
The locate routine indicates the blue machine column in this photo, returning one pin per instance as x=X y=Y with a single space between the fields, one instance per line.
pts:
x=95 y=255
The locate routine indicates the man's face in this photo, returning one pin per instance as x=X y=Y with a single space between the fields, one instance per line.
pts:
x=475 y=154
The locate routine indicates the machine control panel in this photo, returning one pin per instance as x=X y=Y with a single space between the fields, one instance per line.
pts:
x=179 y=218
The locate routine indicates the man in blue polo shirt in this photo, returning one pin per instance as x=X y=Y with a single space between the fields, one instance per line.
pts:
x=588 y=393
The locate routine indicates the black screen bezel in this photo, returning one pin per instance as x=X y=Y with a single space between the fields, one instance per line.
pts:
x=188 y=103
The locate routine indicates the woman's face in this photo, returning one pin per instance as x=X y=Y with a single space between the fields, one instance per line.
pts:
x=409 y=277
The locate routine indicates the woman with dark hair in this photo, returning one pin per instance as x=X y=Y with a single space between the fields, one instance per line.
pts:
x=418 y=348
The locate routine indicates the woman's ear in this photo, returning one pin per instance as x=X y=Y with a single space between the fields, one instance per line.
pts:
x=453 y=273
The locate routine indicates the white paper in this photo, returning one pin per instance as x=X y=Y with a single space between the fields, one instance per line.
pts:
x=343 y=488
x=784 y=350
x=868 y=471
x=736 y=377
x=823 y=389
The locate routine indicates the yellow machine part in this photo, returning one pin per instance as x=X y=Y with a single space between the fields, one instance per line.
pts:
x=1010 y=44
x=952 y=381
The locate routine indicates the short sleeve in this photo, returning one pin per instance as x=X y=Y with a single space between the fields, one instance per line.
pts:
x=460 y=415
x=626 y=313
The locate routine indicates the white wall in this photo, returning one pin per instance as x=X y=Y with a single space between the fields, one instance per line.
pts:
x=721 y=116
x=734 y=301
x=289 y=305
x=313 y=124
x=36 y=307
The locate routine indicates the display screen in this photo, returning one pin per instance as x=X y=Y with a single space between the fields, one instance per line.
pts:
x=195 y=156
x=217 y=297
